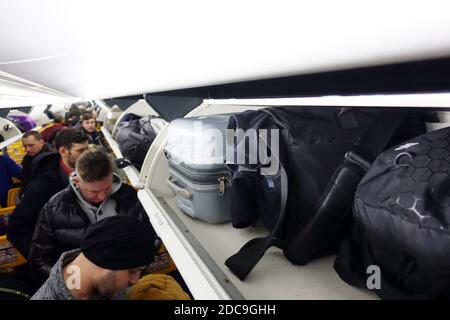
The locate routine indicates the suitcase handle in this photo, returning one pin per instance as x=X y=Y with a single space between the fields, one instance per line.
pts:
x=179 y=190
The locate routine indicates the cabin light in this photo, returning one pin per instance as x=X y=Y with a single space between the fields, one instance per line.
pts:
x=436 y=100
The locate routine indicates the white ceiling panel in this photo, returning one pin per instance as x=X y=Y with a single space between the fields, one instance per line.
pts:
x=101 y=49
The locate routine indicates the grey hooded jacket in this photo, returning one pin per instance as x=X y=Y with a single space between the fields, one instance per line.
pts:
x=64 y=219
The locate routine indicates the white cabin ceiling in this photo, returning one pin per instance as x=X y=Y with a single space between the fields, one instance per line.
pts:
x=103 y=49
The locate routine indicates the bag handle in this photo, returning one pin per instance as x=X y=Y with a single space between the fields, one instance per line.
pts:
x=248 y=256
x=179 y=190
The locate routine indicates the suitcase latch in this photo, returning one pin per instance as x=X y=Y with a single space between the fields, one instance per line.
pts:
x=222 y=182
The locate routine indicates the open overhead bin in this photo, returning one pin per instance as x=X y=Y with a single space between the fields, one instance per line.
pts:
x=9 y=132
x=140 y=109
x=200 y=249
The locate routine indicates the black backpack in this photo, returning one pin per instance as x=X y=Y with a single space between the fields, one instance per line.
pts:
x=135 y=137
x=306 y=204
x=402 y=222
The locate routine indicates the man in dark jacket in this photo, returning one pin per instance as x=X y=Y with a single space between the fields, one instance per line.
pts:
x=52 y=170
x=88 y=126
x=94 y=193
x=34 y=145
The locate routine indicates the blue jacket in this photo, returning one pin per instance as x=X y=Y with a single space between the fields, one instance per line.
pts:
x=8 y=169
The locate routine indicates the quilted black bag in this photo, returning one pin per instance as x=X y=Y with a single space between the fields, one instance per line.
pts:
x=402 y=222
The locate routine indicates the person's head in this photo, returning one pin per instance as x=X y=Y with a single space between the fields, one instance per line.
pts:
x=94 y=114
x=32 y=142
x=58 y=118
x=70 y=144
x=119 y=248
x=72 y=118
x=94 y=175
x=88 y=122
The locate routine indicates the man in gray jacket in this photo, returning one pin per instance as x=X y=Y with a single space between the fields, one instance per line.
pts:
x=94 y=193
x=113 y=253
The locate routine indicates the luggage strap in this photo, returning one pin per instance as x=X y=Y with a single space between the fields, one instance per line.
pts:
x=338 y=194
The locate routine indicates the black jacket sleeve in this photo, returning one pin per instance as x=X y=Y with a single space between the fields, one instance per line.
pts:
x=23 y=219
x=43 y=251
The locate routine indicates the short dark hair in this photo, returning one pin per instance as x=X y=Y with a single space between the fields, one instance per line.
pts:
x=57 y=118
x=68 y=136
x=75 y=108
x=95 y=164
x=72 y=114
x=37 y=135
x=88 y=115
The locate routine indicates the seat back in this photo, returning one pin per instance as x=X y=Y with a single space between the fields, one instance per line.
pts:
x=13 y=197
x=9 y=256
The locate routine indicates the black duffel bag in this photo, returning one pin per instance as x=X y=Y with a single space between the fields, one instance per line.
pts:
x=323 y=154
x=401 y=222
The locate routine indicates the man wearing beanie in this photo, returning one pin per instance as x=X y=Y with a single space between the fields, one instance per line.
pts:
x=94 y=194
x=112 y=255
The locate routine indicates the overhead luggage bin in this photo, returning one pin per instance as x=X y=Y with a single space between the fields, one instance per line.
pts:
x=9 y=131
x=200 y=249
x=111 y=118
x=102 y=110
x=140 y=108
x=131 y=172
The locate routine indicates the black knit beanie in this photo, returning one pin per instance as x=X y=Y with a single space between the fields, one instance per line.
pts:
x=120 y=242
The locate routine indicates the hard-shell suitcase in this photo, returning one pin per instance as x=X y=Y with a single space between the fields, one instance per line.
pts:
x=197 y=172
